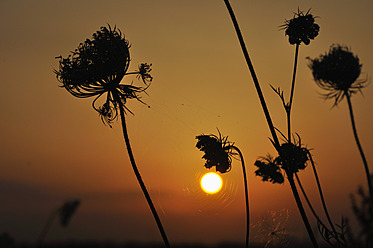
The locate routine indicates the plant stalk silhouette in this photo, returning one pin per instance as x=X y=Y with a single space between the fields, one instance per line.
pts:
x=219 y=152
x=275 y=141
x=338 y=73
x=96 y=68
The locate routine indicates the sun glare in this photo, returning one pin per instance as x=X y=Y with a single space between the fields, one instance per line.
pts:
x=211 y=183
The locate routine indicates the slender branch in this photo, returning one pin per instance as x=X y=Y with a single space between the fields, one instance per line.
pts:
x=137 y=173
x=253 y=75
x=348 y=96
x=288 y=109
x=246 y=195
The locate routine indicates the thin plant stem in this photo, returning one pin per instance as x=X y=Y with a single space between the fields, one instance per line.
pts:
x=246 y=195
x=288 y=107
x=268 y=118
x=301 y=210
x=46 y=228
x=311 y=208
x=137 y=173
x=322 y=197
x=348 y=96
x=253 y=75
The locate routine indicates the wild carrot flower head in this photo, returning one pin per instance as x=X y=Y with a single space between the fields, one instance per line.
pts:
x=301 y=28
x=337 y=72
x=67 y=210
x=293 y=157
x=97 y=67
x=269 y=170
x=218 y=151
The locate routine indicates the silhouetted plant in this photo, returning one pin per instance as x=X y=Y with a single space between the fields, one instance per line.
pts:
x=218 y=152
x=284 y=149
x=65 y=213
x=363 y=211
x=338 y=73
x=96 y=68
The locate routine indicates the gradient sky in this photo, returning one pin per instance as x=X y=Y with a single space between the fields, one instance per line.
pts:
x=54 y=147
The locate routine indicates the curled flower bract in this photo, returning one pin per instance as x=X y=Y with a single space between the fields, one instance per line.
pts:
x=337 y=72
x=67 y=211
x=301 y=28
x=97 y=67
x=218 y=152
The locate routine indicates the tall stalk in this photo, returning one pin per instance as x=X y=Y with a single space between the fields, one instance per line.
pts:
x=137 y=173
x=348 y=97
x=253 y=75
x=246 y=195
x=269 y=120
x=288 y=107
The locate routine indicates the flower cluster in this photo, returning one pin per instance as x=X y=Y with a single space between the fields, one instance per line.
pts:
x=218 y=151
x=292 y=158
x=337 y=72
x=301 y=28
x=97 y=67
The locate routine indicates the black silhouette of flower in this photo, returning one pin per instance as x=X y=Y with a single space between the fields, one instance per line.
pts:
x=337 y=72
x=269 y=170
x=301 y=28
x=293 y=158
x=97 y=67
x=67 y=211
x=218 y=151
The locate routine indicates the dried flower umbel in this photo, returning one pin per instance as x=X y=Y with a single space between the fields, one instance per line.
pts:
x=301 y=28
x=337 y=72
x=218 y=152
x=96 y=68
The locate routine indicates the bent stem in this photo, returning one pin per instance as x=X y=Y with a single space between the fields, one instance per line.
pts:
x=348 y=96
x=246 y=195
x=301 y=210
x=137 y=173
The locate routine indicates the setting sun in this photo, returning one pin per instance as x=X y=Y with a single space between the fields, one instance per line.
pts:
x=211 y=183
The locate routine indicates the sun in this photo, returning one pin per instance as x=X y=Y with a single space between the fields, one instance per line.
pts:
x=211 y=183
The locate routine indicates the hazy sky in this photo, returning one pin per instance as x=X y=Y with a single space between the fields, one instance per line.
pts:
x=54 y=147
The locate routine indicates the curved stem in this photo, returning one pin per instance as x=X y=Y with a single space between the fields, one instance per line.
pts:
x=322 y=197
x=301 y=210
x=246 y=195
x=253 y=75
x=311 y=208
x=359 y=147
x=137 y=173
x=288 y=109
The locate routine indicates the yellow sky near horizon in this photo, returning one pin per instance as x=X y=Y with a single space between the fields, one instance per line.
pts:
x=55 y=147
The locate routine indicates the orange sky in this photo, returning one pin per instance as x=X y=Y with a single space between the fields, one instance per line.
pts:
x=54 y=146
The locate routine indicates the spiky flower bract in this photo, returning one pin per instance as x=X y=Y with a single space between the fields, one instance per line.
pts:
x=301 y=28
x=97 y=67
x=218 y=151
x=337 y=72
